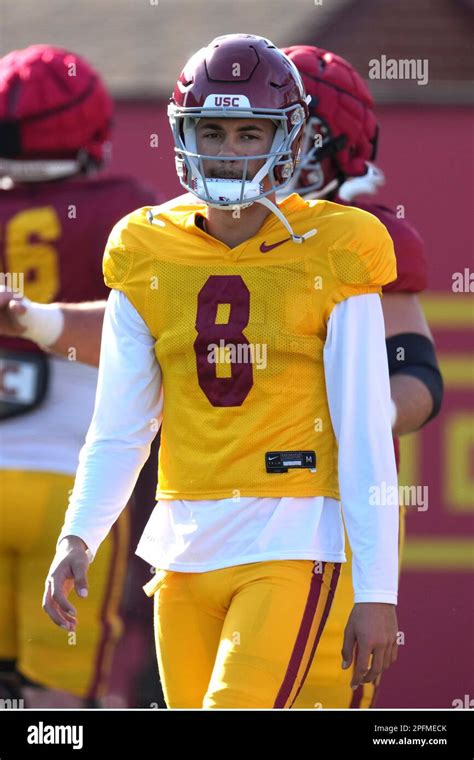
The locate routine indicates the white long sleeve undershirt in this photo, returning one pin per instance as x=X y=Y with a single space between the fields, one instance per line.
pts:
x=196 y=536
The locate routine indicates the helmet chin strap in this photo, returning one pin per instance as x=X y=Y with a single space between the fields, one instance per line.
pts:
x=275 y=210
x=272 y=206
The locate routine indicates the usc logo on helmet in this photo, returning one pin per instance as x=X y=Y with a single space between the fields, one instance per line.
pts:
x=226 y=101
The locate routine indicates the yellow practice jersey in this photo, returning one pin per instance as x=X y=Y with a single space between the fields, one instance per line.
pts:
x=239 y=337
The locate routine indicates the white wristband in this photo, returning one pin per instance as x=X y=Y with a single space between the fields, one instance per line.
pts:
x=394 y=412
x=44 y=322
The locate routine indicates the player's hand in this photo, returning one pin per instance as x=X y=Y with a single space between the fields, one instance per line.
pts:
x=68 y=570
x=10 y=308
x=370 y=638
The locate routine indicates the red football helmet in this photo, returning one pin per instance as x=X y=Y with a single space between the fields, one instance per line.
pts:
x=55 y=114
x=238 y=76
x=341 y=133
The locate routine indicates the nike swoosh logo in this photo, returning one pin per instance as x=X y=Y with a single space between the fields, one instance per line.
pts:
x=265 y=248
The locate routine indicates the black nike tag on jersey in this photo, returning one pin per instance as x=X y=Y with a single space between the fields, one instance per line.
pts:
x=282 y=461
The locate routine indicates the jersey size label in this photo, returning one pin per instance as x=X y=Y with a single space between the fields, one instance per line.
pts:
x=282 y=461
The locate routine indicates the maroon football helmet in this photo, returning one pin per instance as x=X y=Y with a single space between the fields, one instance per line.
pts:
x=341 y=133
x=238 y=76
x=55 y=114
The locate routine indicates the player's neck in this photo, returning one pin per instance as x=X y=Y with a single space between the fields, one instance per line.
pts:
x=234 y=227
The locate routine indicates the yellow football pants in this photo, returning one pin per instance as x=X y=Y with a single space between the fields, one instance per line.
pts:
x=32 y=507
x=327 y=685
x=242 y=636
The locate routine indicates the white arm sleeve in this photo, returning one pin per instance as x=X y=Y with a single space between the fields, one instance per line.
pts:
x=358 y=390
x=127 y=414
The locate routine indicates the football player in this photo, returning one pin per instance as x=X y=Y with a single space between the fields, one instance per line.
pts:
x=254 y=332
x=339 y=145
x=55 y=215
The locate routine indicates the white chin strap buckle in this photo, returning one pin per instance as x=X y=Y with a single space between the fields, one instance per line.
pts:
x=228 y=192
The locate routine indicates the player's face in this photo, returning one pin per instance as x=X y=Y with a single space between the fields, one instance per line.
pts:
x=233 y=137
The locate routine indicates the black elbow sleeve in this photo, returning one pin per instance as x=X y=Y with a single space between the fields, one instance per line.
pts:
x=414 y=354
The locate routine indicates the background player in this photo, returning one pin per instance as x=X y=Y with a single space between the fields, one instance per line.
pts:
x=339 y=145
x=55 y=215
